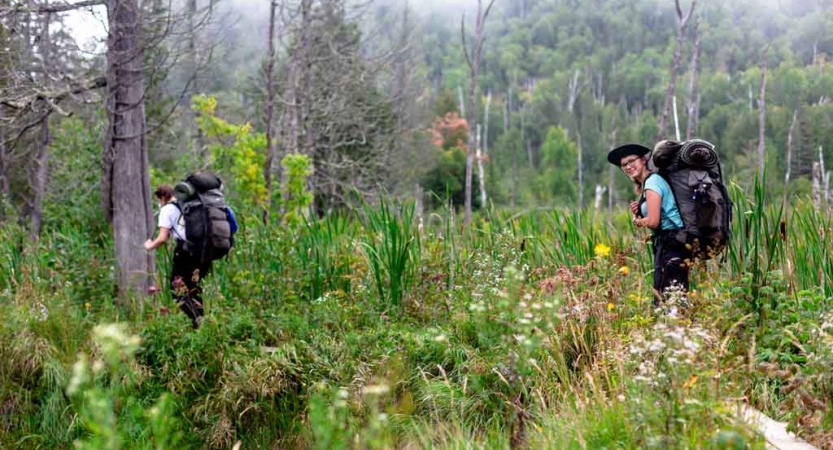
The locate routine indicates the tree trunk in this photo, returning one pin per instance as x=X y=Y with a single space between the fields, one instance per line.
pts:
x=611 y=182
x=514 y=195
x=462 y=102
x=824 y=177
x=41 y=175
x=480 y=174
x=42 y=161
x=580 y=170
x=817 y=186
x=573 y=90
x=191 y=63
x=789 y=158
x=505 y=116
x=419 y=206
x=474 y=66
x=270 y=113
x=682 y=21
x=762 y=117
x=4 y=170
x=486 y=124
x=125 y=182
x=693 y=96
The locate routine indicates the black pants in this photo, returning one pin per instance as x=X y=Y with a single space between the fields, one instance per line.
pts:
x=671 y=263
x=186 y=275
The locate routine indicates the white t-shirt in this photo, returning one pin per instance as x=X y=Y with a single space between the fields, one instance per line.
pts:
x=171 y=218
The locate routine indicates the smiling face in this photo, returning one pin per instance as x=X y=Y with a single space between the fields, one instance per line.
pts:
x=633 y=166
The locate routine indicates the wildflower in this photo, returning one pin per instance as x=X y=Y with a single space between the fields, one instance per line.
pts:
x=88 y=306
x=624 y=270
x=376 y=389
x=611 y=307
x=439 y=338
x=601 y=250
x=80 y=375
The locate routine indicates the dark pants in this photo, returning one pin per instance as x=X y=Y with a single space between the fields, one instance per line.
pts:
x=186 y=275
x=671 y=263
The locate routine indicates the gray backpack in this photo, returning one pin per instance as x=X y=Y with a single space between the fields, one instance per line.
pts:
x=692 y=169
x=207 y=223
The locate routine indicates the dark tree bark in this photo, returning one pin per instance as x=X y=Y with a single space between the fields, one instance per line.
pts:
x=270 y=112
x=682 y=21
x=125 y=181
x=4 y=168
x=762 y=116
x=473 y=61
x=693 y=95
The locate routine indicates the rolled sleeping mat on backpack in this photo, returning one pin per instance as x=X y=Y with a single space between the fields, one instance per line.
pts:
x=184 y=191
x=666 y=153
x=204 y=181
x=698 y=153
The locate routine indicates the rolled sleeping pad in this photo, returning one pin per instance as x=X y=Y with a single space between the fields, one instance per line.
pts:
x=184 y=191
x=204 y=181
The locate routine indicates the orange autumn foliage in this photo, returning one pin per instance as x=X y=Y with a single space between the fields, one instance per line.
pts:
x=450 y=131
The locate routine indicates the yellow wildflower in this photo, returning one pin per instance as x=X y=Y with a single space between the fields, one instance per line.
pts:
x=611 y=306
x=88 y=306
x=624 y=270
x=601 y=250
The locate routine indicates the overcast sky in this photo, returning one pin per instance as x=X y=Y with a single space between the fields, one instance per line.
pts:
x=87 y=27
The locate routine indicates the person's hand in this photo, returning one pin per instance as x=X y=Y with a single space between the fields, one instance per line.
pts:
x=634 y=207
x=638 y=223
x=149 y=244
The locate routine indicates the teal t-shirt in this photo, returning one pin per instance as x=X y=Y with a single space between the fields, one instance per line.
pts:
x=669 y=217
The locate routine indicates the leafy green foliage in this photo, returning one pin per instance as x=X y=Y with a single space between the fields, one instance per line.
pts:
x=295 y=196
x=236 y=152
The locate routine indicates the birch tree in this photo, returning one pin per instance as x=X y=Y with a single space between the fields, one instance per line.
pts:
x=762 y=116
x=682 y=25
x=473 y=60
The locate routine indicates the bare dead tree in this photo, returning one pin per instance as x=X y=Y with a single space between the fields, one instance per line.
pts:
x=270 y=111
x=332 y=101
x=762 y=116
x=42 y=161
x=789 y=157
x=473 y=61
x=480 y=173
x=580 y=169
x=485 y=146
x=573 y=91
x=682 y=22
x=125 y=180
x=47 y=8
x=693 y=96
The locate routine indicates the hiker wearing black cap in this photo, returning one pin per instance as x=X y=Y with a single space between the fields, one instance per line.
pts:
x=656 y=209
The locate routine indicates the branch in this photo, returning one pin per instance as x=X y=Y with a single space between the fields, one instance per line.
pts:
x=488 y=8
x=51 y=9
x=463 y=35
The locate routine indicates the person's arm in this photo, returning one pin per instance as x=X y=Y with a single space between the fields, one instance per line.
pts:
x=654 y=204
x=164 y=234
